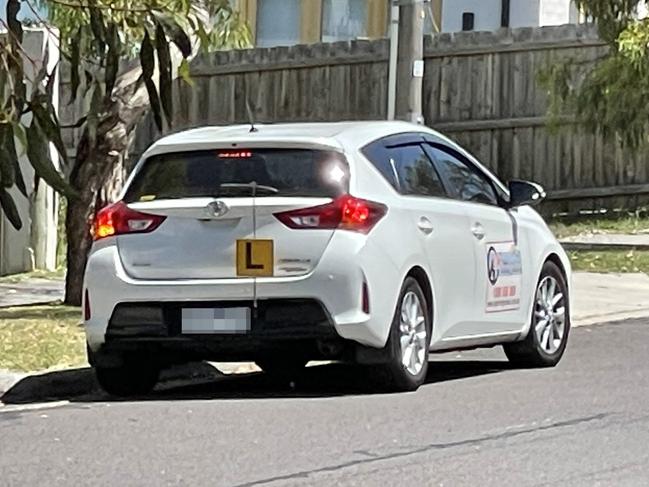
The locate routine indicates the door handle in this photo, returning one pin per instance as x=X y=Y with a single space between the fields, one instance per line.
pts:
x=425 y=225
x=478 y=231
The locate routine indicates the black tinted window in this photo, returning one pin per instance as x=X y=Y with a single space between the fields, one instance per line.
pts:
x=416 y=173
x=407 y=168
x=463 y=180
x=278 y=172
x=379 y=156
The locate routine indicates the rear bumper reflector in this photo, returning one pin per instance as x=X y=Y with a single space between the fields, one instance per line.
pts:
x=366 y=298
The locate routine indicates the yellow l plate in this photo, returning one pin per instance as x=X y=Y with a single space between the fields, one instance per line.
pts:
x=255 y=258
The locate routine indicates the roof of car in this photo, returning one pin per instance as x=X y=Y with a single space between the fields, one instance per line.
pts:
x=328 y=134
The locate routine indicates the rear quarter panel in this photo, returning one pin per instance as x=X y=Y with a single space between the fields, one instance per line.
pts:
x=395 y=235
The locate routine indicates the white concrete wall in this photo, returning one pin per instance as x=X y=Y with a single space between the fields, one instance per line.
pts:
x=523 y=13
x=556 y=12
x=20 y=250
x=487 y=14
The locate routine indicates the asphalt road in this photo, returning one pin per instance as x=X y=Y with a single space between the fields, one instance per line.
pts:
x=476 y=422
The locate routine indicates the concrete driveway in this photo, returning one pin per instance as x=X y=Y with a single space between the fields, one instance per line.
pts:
x=606 y=297
x=31 y=291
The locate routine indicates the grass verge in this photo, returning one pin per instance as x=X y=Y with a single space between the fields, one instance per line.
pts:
x=40 y=274
x=628 y=224
x=605 y=260
x=610 y=261
x=39 y=337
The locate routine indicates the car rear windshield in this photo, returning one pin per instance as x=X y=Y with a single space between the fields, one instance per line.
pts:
x=226 y=172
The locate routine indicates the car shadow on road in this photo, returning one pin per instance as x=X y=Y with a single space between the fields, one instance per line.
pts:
x=202 y=381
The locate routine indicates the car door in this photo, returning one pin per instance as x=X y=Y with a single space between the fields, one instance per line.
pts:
x=439 y=222
x=493 y=231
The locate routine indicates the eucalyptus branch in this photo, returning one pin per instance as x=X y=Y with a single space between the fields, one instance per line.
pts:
x=77 y=124
x=62 y=51
x=18 y=44
x=108 y=7
x=44 y=23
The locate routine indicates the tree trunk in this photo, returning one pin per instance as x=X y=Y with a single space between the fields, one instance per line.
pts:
x=94 y=165
x=77 y=233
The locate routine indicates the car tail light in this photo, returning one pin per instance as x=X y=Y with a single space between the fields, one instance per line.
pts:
x=345 y=212
x=119 y=219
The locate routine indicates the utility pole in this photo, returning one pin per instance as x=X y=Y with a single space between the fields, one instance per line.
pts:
x=406 y=60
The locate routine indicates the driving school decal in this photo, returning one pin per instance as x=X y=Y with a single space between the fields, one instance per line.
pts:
x=504 y=273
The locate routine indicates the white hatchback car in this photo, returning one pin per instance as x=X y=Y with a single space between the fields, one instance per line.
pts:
x=371 y=242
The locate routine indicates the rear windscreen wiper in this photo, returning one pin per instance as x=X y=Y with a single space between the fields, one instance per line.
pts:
x=253 y=187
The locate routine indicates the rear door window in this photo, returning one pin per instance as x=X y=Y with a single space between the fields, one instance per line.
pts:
x=417 y=175
x=225 y=172
x=380 y=158
x=404 y=164
x=463 y=179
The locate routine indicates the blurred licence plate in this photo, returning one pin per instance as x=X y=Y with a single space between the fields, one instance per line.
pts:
x=215 y=320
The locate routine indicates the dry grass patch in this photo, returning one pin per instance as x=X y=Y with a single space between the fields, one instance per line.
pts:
x=40 y=337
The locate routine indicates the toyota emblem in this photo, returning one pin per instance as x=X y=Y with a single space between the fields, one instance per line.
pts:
x=216 y=208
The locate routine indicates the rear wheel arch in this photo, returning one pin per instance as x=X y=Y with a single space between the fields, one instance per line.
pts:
x=420 y=275
x=555 y=259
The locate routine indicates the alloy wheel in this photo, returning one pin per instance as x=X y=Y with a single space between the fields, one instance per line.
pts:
x=549 y=315
x=413 y=332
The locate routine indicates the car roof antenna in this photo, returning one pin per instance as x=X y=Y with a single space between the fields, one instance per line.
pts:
x=251 y=118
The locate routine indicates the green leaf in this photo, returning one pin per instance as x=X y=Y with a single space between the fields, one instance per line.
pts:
x=20 y=181
x=155 y=102
x=42 y=72
x=15 y=26
x=49 y=124
x=148 y=63
x=175 y=32
x=164 y=71
x=49 y=86
x=184 y=72
x=7 y=167
x=10 y=210
x=39 y=157
x=146 y=56
x=204 y=38
x=98 y=31
x=75 y=54
x=15 y=61
x=9 y=152
x=19 y=133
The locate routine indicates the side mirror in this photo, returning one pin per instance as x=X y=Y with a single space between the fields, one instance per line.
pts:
x=523 y=193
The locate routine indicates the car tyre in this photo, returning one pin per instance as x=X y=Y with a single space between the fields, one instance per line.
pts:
x=409 y=341
x=547 y=337
x=133 y=378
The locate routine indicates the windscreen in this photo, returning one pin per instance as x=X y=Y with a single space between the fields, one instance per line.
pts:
x=222 y=173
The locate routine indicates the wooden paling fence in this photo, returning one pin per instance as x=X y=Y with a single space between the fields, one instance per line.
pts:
x=480 y=88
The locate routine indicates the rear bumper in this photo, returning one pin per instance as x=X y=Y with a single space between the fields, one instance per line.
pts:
x=336 y=284
x=274 y=318
x=294 y=325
